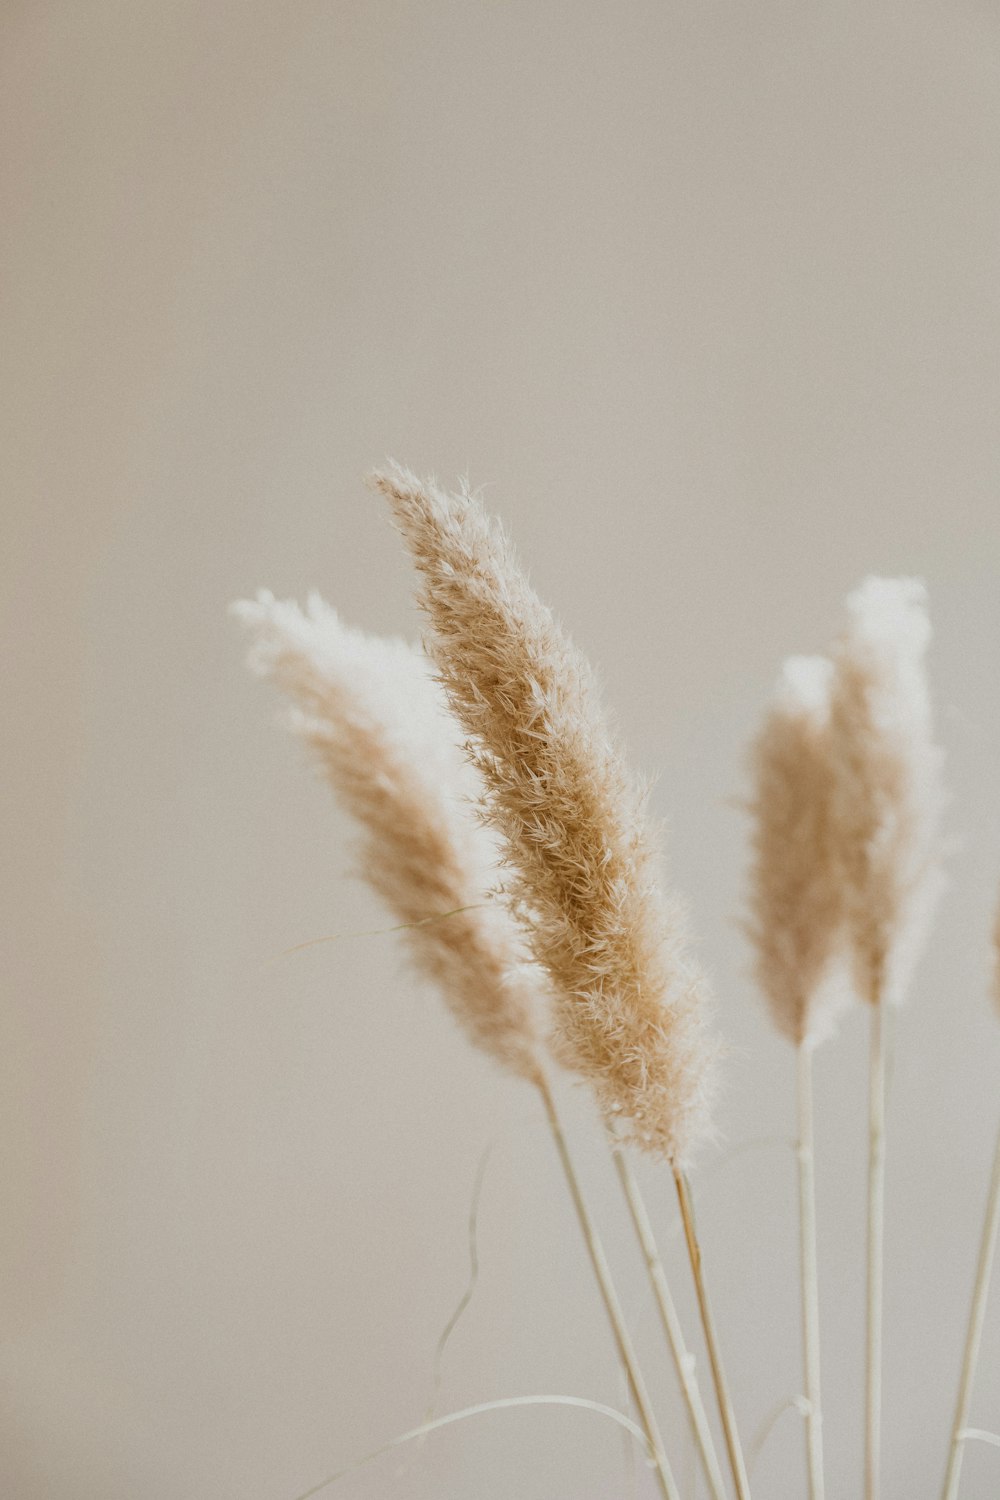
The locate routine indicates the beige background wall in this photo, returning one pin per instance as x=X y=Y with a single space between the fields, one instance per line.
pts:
x=706 y=295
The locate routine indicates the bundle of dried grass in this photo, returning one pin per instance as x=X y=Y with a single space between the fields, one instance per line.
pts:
x=630 y=1004
x=376 y=721
x=847 y=804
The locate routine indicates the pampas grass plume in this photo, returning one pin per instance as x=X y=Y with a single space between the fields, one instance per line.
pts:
x=888 y=792
x=630 y=1004
x=381 y=733
x=796 y=902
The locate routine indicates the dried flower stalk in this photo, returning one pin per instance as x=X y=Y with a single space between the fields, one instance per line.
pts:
x=376 y=719
x=684 y=1361
x=887 y=806
x=623 y=1339
x=980 y=1290
x=734 y=1448
x=630 y=1004
x=797 y=927
x=630 y=1007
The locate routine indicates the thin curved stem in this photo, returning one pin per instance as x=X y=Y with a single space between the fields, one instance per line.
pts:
x=616 y=1317
x=977 y=1315
x=810 y=1280
x=726 y=1412
x=506 y=1403
x=977 y=1435
x=683 y=1359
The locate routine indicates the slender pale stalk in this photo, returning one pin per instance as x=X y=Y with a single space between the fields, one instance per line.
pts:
x=683 y=1360
x=726 y=1412
x=810 y=1281
x=876 y=1225
x=984 y=1272
x=616 y=1317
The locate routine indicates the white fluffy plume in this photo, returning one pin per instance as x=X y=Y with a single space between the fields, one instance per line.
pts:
x=887 y=774
x=376 y=720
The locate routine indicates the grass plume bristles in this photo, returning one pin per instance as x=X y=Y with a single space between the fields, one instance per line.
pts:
x=888 y=796
x=630 y=1006
x=796 y=898
x=379 y=729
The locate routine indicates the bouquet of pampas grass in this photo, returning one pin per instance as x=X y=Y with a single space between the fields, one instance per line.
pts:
x=502 y=827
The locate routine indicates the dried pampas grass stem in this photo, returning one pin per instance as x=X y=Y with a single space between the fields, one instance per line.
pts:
x=980 y=1291
x=876 y=1252
x=683 y=1360
x=734 y=1449
x=619 y=1328
x=977 y=1316
x=809 y=1277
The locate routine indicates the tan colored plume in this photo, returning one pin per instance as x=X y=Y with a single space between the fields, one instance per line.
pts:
x=630 y=1004
x=796 y=892
x=378 y=724
x=888 y=794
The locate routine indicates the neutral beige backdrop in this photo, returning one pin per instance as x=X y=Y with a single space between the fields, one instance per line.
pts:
x=706 y=296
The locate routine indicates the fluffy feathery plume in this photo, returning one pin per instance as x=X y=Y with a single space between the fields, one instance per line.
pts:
x=630 y=1004
x=796 y=893
x=888 y=795
x=374 y=716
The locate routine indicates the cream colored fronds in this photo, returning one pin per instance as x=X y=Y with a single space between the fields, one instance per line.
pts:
x=378 y=725
x=888 y=791
x=631 y=1004
x=796 y=893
